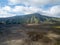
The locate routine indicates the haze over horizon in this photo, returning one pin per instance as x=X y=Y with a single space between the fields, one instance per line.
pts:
x=10 y=8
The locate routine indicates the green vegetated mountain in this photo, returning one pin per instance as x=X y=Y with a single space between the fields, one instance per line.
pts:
x=29 y=19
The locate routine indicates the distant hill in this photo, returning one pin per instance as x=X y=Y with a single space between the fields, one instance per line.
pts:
x=29 y=19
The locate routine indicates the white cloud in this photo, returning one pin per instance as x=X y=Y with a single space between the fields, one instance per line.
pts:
x=4 y=12
x=55 y=1
x=36 y=3
x=25 y=10
x=14 y=1
x=7 y=8
x=19 y=10
x=29 y=2
x=55 y=10
x=31 y=6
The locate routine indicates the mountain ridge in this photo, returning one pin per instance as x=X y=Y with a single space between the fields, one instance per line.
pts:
x=30 y=18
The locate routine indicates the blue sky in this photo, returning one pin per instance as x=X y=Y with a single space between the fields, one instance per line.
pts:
x=21 y=7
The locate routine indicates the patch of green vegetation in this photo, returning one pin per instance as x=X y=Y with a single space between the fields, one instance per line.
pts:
x=56 y=26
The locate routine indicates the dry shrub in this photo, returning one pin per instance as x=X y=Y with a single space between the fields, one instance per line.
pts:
x=39 y=38
x=35 y=36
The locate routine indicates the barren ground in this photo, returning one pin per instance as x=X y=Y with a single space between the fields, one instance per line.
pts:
x=16 y=34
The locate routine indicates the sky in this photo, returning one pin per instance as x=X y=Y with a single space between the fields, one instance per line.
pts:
x=10 y=8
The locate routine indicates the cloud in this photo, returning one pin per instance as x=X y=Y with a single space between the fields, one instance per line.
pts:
x=25 y=10
x=55 y=11
x=21 y=7
x=29 y=2
x=4 y=12
x=6 y=9
x=17 y=10
x=36 y=3
x=21 y=10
